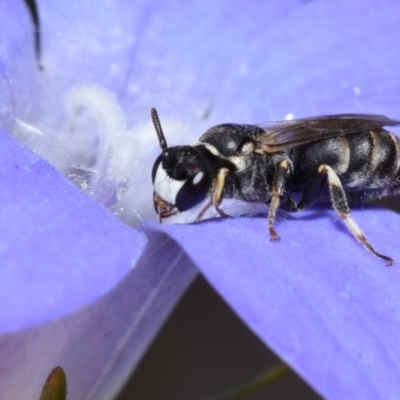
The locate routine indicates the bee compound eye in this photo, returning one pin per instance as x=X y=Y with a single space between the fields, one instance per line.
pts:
x=193 y=191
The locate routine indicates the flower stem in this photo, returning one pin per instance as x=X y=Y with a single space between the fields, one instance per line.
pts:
x=255 y=384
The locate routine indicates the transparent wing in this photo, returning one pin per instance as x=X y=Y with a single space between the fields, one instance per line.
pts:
x=285 y=134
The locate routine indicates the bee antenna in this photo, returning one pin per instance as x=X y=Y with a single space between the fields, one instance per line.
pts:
x=157 y=126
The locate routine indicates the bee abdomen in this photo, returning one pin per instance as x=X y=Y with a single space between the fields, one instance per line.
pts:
x=385 y=159
x=396 y=159
x=374 y=160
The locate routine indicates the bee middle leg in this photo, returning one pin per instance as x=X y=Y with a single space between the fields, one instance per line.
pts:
x=313 y=189
x=278 y=187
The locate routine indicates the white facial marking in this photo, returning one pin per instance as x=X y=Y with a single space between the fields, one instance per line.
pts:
x=166 y=187
x=198 y=178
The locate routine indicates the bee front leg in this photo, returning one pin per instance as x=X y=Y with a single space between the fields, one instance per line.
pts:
x=217 y=196
x=278 y=187
x=340 y=204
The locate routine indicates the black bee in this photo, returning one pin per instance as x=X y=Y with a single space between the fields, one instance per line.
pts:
x=348 y=157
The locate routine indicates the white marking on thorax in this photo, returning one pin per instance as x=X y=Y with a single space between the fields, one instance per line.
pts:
x=239 y=162
x=209 y=147
x=166 y=187
x=248 y=147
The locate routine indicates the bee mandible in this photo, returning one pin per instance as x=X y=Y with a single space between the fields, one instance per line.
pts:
x=346 y=157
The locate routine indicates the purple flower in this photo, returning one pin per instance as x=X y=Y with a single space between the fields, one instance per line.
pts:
x=82 y=290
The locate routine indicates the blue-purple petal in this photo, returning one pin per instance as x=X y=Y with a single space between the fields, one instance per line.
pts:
x=155 y=53
x=18 y=67
x=59 y=249
x=317 y=298
x=100 y=344
x=74 y=291
x=324 y=58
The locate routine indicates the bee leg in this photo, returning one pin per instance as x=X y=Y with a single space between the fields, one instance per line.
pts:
x=340 y=204
x=288 y=204
x=278 y=188
x=217 y=196
x=203 y=211
x=219 y=190
x=312 y=191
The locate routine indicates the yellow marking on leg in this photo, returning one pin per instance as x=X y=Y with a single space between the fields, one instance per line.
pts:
x=217 y=196
x=274 y=205
x=219 y=186
x=334 y=181
x=362 y=239
x=271 y=218
x=203 y=211
x=284 y=164
x=219 y=190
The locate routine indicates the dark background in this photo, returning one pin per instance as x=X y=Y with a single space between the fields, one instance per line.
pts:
x=204 y=349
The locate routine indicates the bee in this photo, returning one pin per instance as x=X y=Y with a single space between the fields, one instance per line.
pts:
x=344 y=157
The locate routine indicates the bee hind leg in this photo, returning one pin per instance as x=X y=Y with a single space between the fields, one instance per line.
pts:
x=340 y=204
x=312 y=191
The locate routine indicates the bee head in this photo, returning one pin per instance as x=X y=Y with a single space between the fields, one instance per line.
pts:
x=180 y=177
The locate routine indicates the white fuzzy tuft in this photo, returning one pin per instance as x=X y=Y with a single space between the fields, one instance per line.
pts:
x=118 y=150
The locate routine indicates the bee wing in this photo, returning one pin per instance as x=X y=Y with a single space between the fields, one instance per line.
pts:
x=284 y=134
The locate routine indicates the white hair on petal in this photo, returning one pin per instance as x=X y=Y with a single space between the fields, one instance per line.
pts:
x=117 y=152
